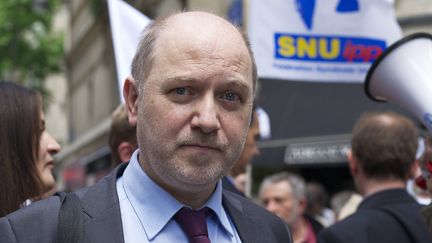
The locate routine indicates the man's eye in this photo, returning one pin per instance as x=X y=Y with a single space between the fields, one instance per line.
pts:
x=231 y=96
x=180 y=91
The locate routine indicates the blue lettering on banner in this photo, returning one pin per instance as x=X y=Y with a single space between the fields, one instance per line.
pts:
x=327 y=48
x=306 y=9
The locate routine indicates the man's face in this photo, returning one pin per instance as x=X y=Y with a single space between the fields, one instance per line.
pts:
x=250 y=149
x=278 y=198
x=195 y=108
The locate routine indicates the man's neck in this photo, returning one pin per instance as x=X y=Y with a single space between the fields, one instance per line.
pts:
x=299 y=230
x=194 y=200
x=371 y=186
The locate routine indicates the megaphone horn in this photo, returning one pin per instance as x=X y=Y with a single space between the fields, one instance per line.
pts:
x=403 y=75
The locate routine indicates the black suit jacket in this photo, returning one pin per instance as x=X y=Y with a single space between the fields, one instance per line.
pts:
x=37 y=223
x=384 y=217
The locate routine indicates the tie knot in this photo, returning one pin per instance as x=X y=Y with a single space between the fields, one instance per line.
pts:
x=193 y=223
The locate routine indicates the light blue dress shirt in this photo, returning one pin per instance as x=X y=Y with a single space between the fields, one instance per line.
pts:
x=147 y=211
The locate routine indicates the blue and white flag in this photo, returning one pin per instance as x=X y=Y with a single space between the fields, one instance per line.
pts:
x=235 y=12
x=320 y=40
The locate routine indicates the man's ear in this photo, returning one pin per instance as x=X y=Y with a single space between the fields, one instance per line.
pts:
x=353 y=163
x=130 y=95
x=125 y=151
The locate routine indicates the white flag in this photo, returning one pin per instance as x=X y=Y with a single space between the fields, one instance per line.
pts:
x=127 y=24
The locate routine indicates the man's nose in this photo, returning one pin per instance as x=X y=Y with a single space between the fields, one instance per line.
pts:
x=206 y=115
x=271 y=206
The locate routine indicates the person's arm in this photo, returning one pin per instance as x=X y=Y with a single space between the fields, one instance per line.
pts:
x=34 y=223
x=6 y=231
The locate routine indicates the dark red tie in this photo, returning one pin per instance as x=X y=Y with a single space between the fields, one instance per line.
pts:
x=194 y=224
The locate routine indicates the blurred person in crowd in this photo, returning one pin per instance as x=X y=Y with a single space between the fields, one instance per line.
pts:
x=345 y=203
x=240 y=182
x=338 y=200
x=122 y=137
x=284 y=194
x=250 y=150
x=317 y=198
x=421 y=195
x=381 y=160
x=350 y=206
x=424 y=181
x=190 y=95
x=26 y=149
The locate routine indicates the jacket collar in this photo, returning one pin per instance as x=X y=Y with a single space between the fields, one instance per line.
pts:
x=101 y=206
x=249 y=229
x=103 y=221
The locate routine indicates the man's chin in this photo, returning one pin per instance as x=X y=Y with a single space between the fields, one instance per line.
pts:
x=200 y=178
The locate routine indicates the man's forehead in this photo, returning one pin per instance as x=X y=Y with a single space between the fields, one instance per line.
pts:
x=197 y=17
x=193 y=37
x=283 y=186
x=200 y=27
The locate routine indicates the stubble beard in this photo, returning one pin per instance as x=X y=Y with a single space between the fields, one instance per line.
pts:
x=293 y=218
x=162 y=163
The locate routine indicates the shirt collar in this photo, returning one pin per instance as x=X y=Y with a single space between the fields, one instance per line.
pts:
x=215 y=204
x=155 y=207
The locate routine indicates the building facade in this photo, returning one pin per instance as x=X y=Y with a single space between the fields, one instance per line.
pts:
x=92 y=93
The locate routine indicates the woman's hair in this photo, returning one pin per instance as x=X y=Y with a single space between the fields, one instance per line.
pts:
x=20 y=132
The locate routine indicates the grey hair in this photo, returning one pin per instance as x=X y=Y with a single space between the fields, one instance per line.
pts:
x=296 y=182
x=144 y=56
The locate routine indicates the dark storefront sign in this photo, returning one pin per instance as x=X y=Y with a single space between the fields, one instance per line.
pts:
x=318 y=152
x=311 y=122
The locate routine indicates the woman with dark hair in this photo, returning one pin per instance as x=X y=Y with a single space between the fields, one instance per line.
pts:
x=26 y=147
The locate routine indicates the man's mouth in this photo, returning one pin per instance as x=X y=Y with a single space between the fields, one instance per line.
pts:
x=201 y=147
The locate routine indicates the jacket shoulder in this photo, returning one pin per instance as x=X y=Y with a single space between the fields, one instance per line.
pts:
x=35 y=223
x=373 y=225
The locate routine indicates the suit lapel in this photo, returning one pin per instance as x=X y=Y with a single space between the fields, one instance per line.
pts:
x=105 y=228
x=247 y=227
x=103 y=218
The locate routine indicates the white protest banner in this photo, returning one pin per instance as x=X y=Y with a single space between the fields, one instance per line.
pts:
x=127 y=24
x=320 y=40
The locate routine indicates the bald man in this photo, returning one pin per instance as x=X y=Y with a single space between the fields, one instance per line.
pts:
x=381 y=160
x=190 y=95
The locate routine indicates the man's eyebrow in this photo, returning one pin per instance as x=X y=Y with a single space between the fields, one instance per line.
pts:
x=235 y=83
x=182 y=78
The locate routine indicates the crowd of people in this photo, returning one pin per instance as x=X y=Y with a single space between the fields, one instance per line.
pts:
x=181 y=144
